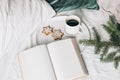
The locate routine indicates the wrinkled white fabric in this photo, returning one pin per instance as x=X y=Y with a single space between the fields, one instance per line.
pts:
x=111 y=6
x=19 y=22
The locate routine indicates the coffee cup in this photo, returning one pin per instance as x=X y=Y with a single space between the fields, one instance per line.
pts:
x=72 y=25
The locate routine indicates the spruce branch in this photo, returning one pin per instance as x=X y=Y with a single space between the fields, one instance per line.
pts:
x=102 y=47
x=96 y=35
x=116 y=61
x=104 y=51
x=109 y=57
x=116 y=64
x=117 y=58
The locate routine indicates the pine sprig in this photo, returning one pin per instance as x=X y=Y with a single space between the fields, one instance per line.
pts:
x=104 y=52
x=109 y=57
x=102 y=47
x=117 y=58
x=96 y=35
x=116 y=64
x=116 y=61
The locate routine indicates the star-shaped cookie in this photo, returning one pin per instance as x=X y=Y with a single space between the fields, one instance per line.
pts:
x=47 y=30
x=57 y=34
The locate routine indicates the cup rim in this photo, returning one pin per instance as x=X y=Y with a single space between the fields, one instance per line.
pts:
x=73 y=17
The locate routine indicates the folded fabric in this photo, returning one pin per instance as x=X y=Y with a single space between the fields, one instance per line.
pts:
x=65 y=5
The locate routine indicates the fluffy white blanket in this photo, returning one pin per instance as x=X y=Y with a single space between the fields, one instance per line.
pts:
x=20 y=21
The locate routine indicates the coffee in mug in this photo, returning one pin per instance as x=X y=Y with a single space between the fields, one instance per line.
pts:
x=72 y=24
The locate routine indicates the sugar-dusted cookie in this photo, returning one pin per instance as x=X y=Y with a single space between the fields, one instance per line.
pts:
x=57 y=34
x=47 y=30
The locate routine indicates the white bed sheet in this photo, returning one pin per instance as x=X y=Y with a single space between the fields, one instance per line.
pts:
x=20 y=22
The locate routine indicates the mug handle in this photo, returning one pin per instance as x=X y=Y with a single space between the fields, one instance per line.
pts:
x=80 y=30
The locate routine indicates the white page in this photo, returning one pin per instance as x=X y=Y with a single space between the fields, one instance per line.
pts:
x=65 y=60
x=35 y=64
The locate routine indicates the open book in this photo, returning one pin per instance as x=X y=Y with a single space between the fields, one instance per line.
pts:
x=59 y=60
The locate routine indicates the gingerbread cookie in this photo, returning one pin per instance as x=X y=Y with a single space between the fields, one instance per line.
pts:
x=57 y=34
x=47 y=30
